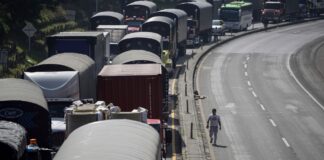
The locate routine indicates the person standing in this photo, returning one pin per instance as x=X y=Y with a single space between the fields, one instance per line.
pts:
x=213 y=123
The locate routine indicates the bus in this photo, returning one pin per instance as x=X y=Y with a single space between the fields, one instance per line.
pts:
x=237 y=15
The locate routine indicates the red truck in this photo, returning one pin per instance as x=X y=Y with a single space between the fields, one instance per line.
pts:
x=130 y=86
x=278 y=10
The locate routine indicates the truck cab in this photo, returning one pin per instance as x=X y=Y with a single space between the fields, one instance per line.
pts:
x=137 y=12
x=273 y=11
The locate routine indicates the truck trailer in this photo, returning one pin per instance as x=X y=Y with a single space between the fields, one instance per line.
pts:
x=180 y=19
x=165 y=27
x=144 y=57
x=137 y=12
x=93 y=44
x=106 y=18
x=23 y=102
x=130 y=86
x=117 y=32
x=63 y=79
x=112 y=139
x=199 y=21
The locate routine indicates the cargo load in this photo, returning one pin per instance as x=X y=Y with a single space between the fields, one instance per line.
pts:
x=79 y=114
x=13 y=140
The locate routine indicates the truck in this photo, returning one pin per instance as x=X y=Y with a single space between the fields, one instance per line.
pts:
x=165 y=27
x=63 y=79
x=279 y=10
x=94 y=44
x=106 y=18
x=312 y=8
x=137 y=12
x=113 y=139
x=117 y=32
x=143 y=57
x=199 y=21
x=23 y=102
x=130 y=86
x=180 y=20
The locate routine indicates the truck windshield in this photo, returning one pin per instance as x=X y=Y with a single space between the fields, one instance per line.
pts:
x=229 y=15
x=134 y=23
x=136 y=11
x=146 y=44
x=273 y=6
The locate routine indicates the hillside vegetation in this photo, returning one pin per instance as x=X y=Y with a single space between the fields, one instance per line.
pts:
x=48 y=17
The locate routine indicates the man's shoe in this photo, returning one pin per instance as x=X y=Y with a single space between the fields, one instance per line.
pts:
x=214 y=144
x=211 y=140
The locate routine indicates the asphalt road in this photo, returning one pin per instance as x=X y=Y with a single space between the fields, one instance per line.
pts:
x=266 y=113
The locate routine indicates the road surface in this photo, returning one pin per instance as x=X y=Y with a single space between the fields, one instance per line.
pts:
x=266 y=113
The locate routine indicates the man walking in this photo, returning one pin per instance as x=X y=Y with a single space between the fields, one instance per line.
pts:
x=213 y=123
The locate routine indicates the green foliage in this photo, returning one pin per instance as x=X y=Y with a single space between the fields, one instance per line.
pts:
x=57 y=27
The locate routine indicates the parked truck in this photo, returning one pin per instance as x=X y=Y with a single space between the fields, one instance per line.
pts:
x=63 y=79
x=112 y=139
x=199 y=21
x=180 y=19
x=144 y=57
x=165 y=27
x=279 y=10
x=23 y=102
x=130 y=86
x=106 y=18
x=117 y=32
x=93 y=44
x=137 y=12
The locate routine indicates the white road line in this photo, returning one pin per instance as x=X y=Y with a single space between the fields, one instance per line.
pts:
x=245 y=65
x=248 y=58
x=273 y=123
x=285 y=141
x=254 y=94
x=249 y=83
x=246 y=74
x=262 y=107
x=299 y=83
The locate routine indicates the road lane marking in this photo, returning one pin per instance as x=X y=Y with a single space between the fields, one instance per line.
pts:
x=246 y=74
x=285 y=141
x=299 y=83
x=249 y=83
x=247 y=58
x=273 y=123
x=262 y=107
x=254 y=94
x=245 y=66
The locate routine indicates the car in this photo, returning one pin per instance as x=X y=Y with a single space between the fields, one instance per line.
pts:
x=218 y=27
